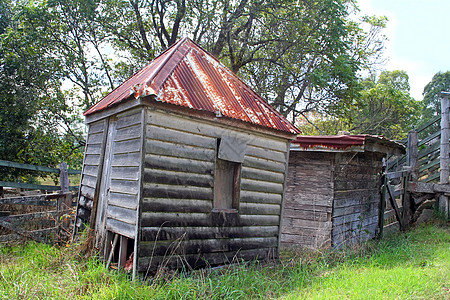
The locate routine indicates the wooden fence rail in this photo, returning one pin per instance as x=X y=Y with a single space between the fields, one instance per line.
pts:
x=53 y=223
x=62 y=171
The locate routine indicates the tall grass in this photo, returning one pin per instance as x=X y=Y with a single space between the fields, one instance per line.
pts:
x=414 y=265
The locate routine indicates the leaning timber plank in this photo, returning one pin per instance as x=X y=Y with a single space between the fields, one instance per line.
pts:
x=260 y=197
x=40 y=200
x=125 y=173
x=394 y=204
x=190 y=261
x=94 y=149
x=121 y=214
x=179 y=149
x=191 y=125
x=200 y=233
x=89 y=180
x=90 y=170
x=130 y=187
x=128 y=133
x=155 y=219
x=170 y=135
x=178 y=164
x=129 y=120
x=177 y=191
x=261 y=186
x=264 y=164
x=123 y=200
x=92 y=159
x=97 y=127
x=160 y=248
x=251 y=173
x=95 y=138
x=29 y=186
x=263 y=153
x=122 y=228
x=126 y=160
x=176 y=205
x=178 y=178
x=259 y=209
x=87 y=191
x=128 y=146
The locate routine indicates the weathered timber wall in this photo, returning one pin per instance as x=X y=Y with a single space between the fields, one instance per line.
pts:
x=308 y=200
x=356 y=197
x=178 y=224
x=91 y=172
x=125 y=174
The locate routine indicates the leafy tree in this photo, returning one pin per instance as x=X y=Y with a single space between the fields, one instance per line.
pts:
x=300 y=55
x=432 y=94
x=38 y=126
x=384 y=107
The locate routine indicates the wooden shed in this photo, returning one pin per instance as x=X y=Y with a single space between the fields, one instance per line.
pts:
x=184 y=166
x=333 y=189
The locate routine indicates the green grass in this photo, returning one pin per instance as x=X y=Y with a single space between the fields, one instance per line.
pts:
x=414 y=265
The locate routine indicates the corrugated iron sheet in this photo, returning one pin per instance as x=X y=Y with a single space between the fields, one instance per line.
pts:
x=341 y=143
x=186 y=75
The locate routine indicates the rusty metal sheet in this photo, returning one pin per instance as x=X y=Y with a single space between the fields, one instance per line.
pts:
x=344 y=143
x=187 y=75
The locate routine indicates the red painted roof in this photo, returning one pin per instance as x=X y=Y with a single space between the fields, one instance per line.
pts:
x=187 y=75
x=357 y=143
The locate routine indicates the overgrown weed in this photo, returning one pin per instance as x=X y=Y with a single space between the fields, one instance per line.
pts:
x=414 y=264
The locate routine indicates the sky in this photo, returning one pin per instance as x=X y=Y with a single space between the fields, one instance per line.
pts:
x=419 y=37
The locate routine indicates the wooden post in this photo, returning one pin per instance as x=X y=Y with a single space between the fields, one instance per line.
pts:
x=445 y=149
x=63 y=177
x=413 y=153
x=382 y=206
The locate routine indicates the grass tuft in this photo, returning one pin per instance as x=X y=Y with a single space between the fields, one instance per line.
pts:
x=414 y=265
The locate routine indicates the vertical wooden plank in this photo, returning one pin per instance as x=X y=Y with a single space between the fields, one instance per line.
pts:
x=123 y=251
x=63 y=177
x=382 y=205
x=144 y=120
x=445 y=158
x=283 y=199
x=413 y=153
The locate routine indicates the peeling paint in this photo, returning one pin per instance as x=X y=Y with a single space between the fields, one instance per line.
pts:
x=186 y=75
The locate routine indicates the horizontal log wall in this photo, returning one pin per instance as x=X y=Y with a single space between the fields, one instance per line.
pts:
x=178 y=221
x=357 y=197
x=90 y=173
x=125 y=174
x=308 y=200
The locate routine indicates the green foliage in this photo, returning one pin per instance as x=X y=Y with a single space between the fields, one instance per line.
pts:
x=415 y=264
x=383 y=107
x=38 y=125
x=432 y=94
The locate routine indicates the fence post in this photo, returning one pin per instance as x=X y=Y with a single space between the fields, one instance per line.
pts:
x=413 y=153
x=444 y=153
x=65 y=201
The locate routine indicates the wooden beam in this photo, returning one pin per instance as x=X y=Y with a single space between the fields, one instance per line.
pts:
x=445 y=147
x=398 y=215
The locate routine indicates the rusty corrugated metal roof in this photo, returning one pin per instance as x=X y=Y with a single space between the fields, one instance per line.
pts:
x=346 y=143
x=187 y=75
